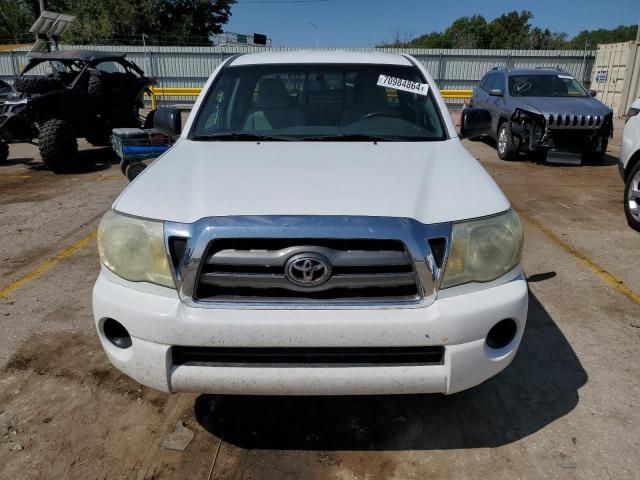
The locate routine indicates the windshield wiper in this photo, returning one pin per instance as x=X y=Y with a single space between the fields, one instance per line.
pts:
x=240 y=136
x=348 y=137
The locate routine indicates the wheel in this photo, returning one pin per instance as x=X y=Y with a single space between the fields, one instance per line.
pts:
x=148 y=121
x=506 y=148
x=4 y=151
x=37 y=84
x=632 y=198
x=134 y=169
x=58 y=145
x=98 y=139
x=99 y=135
x=94 y=87
x=596 y=156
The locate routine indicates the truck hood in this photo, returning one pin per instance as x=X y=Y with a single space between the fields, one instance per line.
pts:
x=565 y=106
x=431 y=182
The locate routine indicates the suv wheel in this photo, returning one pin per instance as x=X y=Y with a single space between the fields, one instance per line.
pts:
x=58 y=145
x=632 y=198
x=4 y=151
x=596 y=156
x=506 y=148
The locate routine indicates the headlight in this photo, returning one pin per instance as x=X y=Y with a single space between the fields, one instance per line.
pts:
x=483 y=250
x=133 y=249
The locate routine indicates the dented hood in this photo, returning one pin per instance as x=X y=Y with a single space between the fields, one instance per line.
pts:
x=431 y=182
x=563 y=105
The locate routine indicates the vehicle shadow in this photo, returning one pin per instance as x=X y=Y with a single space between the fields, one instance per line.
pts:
x=89 y=161
x=607 y=161
x=540 y=386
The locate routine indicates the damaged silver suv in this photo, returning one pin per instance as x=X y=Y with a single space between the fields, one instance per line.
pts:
x=543 y=112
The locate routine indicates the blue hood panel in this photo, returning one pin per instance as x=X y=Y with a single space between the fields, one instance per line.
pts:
x=563 y=105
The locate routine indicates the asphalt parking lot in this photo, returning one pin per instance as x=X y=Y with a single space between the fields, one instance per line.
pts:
x=567 y=408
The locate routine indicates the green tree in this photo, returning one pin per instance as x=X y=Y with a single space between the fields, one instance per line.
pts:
x=125 y=21
x=594 y=37
x=546 y=39
x=16 y=17
x=468 y=32
x=511 y=30
x=430 y=40
x=192 y=18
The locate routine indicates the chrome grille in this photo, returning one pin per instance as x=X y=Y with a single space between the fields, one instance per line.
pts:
x=254 y=269
x=574 y=121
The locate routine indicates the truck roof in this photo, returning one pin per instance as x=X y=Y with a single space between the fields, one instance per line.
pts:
x=532 y=71
x=322 y=56
x=81 y=55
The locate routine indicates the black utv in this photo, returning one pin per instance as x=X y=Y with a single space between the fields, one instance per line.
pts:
x=65 y=95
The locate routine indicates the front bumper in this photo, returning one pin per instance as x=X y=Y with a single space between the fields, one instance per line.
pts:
x=459 y=323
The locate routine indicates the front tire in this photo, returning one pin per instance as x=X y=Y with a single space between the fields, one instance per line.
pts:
x=58 y=145
x=4 y=151
x=596 y=156
x=506 y=148
x=632 y=198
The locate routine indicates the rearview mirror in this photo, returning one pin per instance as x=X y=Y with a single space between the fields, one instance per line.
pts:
x=496 y=92
x=593 y=93
x=474 y=121
x=167 y=120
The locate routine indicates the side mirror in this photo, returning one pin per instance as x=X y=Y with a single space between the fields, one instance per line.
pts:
x=496 y=92
x=474 y=121
x=167 y=120
x=593 y=93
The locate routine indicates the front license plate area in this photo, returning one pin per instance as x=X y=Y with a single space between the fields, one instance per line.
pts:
x=564 y=157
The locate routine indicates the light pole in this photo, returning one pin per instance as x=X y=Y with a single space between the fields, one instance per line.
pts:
x=317 y=32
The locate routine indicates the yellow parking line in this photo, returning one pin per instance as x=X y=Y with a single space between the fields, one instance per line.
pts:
x=98 y=178
x=610 y=279
x=22 y=177
x=36 y=272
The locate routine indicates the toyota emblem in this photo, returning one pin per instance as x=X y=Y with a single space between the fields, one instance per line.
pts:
x=308 y=269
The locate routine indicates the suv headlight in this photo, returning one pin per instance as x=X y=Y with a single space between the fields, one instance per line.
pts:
x=133 y=248
x=484 y=249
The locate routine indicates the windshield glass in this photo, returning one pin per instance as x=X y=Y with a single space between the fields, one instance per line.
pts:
x=560 y=85
x=319 y=102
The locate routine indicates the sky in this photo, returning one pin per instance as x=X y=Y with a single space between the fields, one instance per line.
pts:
x=364 y=23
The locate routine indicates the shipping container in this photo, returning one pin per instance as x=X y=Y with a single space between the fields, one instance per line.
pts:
x=615 y=75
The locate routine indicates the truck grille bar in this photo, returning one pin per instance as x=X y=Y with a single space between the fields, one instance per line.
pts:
x=256 y=270
x=574 y=121
x=307 y=261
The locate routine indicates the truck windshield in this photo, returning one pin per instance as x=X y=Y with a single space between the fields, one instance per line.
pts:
x=319 y=102
x=560 y=85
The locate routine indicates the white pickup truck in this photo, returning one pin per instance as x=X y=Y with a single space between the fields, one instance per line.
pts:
x=317 y=229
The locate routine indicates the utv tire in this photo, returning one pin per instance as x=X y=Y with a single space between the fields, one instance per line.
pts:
x=94 y=87
x=99 y=135
x=506 y=148
x=99 y=139
x=148 y=121
x=37 y=84
x=4 y=151
x=58 y=145
x=632 y=198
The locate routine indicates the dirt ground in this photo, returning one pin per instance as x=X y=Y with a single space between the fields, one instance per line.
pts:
x=567 y=408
